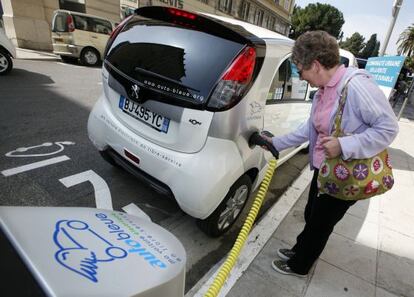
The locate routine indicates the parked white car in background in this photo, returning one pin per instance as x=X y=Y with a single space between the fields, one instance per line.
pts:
x=178 y=112
x=81 y=36
x=7 y=53
x=347 y=58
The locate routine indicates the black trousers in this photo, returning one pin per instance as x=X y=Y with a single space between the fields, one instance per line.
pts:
x=322 y=212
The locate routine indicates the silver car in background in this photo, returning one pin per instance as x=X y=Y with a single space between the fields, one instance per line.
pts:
x=7 y=52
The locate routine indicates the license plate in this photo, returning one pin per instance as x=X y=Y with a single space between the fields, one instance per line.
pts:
x=143 y=114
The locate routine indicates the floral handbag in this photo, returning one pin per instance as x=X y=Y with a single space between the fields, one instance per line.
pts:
x=358 y=178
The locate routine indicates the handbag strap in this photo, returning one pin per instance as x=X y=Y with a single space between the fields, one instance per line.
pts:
x=338 y=117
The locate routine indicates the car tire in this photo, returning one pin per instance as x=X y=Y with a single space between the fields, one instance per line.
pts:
x=226 y=214
x=6 y=63
x=108 y=158
x=70 y=60
x=89 y=57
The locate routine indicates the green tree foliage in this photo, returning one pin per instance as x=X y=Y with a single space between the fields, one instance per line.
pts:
x=369 y=47
x=375 y=52
x=409 y=63
x=317 y=17
x=354 y=44
x=406 y=41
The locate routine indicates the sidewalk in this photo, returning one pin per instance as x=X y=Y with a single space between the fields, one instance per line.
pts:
x=370 y=253
x=28 y=54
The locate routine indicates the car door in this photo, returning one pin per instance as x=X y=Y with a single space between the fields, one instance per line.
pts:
x=100 y=31
x=287 y=104
x=83 y=30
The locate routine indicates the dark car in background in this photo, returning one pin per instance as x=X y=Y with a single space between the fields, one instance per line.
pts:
x=361 y=62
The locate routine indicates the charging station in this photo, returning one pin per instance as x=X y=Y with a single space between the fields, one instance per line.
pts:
x=71 y=251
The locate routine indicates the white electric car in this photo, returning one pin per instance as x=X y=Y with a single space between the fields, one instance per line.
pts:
x=7 y=53
x=182 y=94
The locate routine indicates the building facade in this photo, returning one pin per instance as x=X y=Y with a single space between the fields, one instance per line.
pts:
x=27 y=22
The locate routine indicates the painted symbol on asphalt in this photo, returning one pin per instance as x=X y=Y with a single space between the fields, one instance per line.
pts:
x=22 y=151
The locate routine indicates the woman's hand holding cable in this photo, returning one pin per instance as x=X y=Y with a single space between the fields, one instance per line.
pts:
x=268 y=139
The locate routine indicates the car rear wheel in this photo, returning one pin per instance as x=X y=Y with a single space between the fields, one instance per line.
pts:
x=89 y=57
x=108 y=158
x=226 y=214
x=6 y=63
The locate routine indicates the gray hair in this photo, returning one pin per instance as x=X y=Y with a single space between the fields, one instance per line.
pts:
x=316 y=45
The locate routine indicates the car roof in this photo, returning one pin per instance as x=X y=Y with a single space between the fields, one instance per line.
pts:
x=83 y=14
x=346 y=54
x=256 y=30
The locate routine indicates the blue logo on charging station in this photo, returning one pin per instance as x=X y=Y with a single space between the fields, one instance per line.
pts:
x=82 y=250
x=73 y=238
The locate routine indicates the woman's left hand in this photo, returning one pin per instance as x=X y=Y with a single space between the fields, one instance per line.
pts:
x=332 y=146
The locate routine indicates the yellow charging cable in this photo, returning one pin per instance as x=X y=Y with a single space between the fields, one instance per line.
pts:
x=244 y=232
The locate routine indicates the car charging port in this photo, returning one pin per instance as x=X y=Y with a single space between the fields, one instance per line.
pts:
x=257 y=139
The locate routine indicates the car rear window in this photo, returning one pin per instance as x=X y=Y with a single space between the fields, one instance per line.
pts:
x=60 y=23
x=172 y=59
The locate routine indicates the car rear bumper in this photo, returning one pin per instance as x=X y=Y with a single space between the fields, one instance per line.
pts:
x=69 y=50
x=198 y=181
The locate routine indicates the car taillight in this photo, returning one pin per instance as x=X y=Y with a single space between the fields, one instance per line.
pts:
x=234 y=82
x=115 y=33
x=182 y=13
x=70 y=23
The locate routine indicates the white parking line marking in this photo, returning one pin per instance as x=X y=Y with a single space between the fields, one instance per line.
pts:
x=134 y=210
x=258 y=237
x=21 y=150
x=69 y=65
x=35 y=165
x=102 y=194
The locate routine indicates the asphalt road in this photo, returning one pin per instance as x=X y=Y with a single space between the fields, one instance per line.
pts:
x=46 y=158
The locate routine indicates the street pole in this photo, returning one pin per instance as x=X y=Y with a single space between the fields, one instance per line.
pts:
x=408 y=97
x=395 y=10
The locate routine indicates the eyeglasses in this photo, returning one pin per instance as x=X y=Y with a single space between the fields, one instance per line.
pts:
x=300 y=72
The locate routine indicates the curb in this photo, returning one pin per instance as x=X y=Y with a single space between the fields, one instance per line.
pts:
x=38 y=59
x=257 y=239
x=26 y=54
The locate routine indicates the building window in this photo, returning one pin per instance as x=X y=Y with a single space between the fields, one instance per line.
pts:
x=287 y=4
x=73 y=5
x=126 y=11
x=245 y=10
x=281 y=27
x=270 y=22
x=225 y=6
x=258 y=17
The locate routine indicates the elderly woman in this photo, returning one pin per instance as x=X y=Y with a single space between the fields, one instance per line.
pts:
x=369 y=125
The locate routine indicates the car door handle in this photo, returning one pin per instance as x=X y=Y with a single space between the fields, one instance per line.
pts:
x=96 y=37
